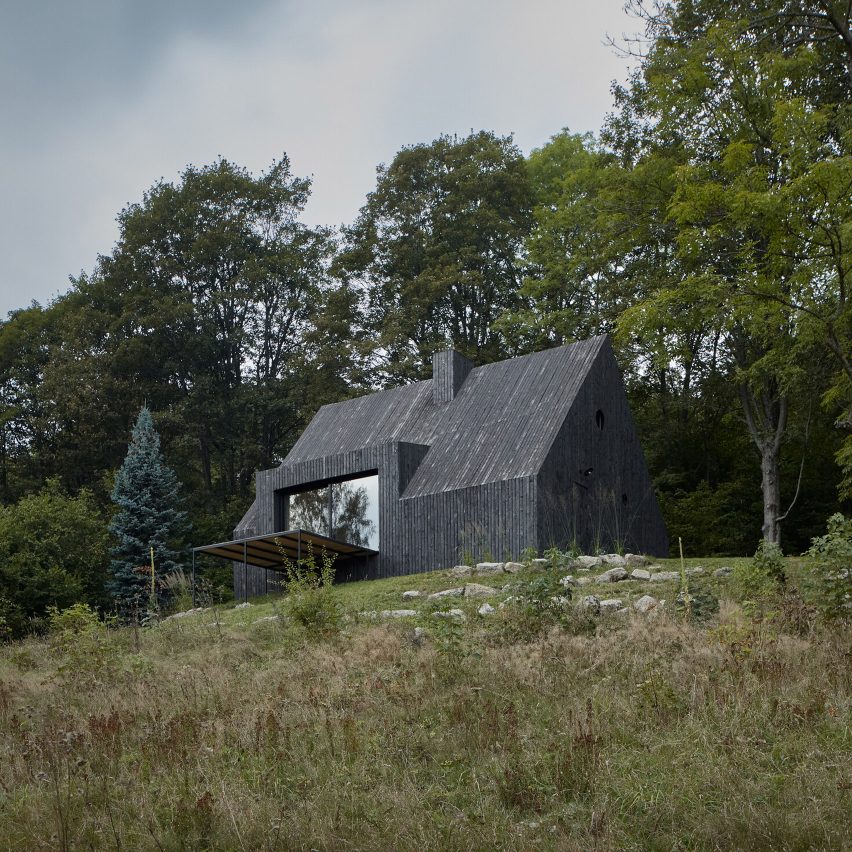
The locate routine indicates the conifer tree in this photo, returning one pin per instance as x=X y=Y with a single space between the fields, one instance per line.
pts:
x=146 y=494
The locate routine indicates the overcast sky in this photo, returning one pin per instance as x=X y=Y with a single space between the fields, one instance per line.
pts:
x=101 y=98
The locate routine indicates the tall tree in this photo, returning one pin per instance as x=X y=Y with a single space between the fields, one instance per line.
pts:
x=146 y=495
x=744 y=112
x=435 y=251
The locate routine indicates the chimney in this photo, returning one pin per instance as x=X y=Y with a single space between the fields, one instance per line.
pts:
x=449 y=370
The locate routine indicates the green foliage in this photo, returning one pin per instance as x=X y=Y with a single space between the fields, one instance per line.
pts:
x=53 y=551
x=761 y=579
x=82 y=640
x=535 y=606
x=436 y=251
x=146 y=494
x=557 y=559
x=831 y=569
x=312 y=601
x=696 y=604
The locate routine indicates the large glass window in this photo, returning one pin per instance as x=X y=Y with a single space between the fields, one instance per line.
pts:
x=345 y=511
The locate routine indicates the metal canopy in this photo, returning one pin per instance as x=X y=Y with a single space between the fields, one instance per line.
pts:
x=270 y=551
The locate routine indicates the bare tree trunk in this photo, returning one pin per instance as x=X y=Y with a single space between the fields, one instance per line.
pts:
x=771 y=486
x=766 y=417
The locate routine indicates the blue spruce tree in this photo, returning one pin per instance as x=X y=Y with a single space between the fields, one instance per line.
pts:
x=147 y=495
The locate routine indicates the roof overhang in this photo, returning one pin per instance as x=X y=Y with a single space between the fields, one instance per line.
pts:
x=271 y=550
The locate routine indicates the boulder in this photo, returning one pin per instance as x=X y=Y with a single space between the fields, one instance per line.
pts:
x=694 y=572
x=540 y=564
x=635 y=560
x=513 y=567
x=723 y=571
x=451 y=613
x=410 y=595
x=592 y=603
x=489 y=567
x=584 y=581
x=244 y=605
x=461 y=571
x=611 y=605
x=475 y=590
x=640 y=574
x=645 y=604
x=587 y=562
x=486 y=609
x=662 y=576
x=398 y=613
x=623 y=611
x=447 y=593
x=186 y=612
x=567 y=581
x=615 y=559
x=612 y=576
x=559 y=600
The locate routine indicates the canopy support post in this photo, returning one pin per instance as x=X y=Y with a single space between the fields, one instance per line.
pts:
x=245 y=570
x=193 y=578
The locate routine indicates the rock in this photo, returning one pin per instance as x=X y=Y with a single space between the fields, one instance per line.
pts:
x=640 y=574
x=418 y=633
x=267 y=618
x=451 y=613
x=611 y=604
x=584 y=581
x=591 y=602
x=398 y=613
x=559 y=600
x=587 y=562
x=540 y=564
x=244 y=605
x=723 y=571
x=513 y=567
x=645 y=604
x=186 y=612
x=567 y=581
x=410 y=595
x=447 y=593
x=461 y=571
x=476 y=590
x=615 y=559
x=368 y=613
x=662 y=576
x=489 y=567
x=694 y=572
x=634 y=560
x=510 y=600
x=486 y=609
x=612 y=576
x=623 y=611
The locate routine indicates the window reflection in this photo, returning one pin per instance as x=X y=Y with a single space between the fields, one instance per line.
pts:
x=345 y=511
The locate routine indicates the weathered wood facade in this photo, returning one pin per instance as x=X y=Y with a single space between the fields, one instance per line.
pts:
x=483 y=462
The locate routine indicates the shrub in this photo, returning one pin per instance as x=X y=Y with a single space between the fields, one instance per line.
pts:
x=763 y=577
x=537 y=605
x=830 y=578
x=83 y=639
x=311 y=600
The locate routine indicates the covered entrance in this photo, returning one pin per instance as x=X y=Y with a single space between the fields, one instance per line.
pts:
x=271 y=552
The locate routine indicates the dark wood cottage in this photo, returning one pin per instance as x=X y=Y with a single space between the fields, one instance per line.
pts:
x=476 y=463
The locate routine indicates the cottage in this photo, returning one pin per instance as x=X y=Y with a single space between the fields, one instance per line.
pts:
x=478 y=462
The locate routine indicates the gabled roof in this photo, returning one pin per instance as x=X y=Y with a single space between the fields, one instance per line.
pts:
x=499 y=426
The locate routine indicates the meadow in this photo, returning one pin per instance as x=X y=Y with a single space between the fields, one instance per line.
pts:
x=242 y=728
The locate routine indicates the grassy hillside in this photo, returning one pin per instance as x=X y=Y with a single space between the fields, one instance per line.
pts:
x=239 y=729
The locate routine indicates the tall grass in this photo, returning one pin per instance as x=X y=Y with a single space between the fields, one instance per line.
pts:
x=228 y=732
